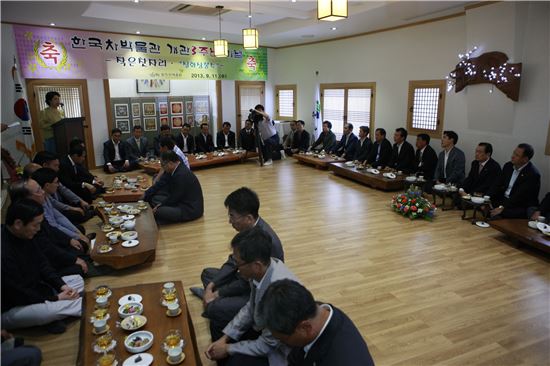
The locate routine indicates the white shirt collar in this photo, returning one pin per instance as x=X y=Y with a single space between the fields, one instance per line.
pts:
x=307 y=347
x=71 y=160
x=424 y=148
x=521 y=167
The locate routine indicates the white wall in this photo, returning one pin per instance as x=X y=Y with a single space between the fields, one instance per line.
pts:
x=430 y=51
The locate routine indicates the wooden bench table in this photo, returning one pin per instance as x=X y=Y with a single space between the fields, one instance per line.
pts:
x=518 y=229
x=153 y=167
x=317 y=162
x=377 y=181
x=158 y=323
x=126 y=195
x=121 y=257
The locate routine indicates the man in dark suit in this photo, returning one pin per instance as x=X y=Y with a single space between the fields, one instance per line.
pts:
x=185 y=141
x=326 y=140
x=364 y=145
x=483 y=173
x=137 y=144
x=451 y=162
x=301 y=139
x=319 y=334
x=203 y=141
x=518 y=186
x=76 y=177
x=225 y=292
x=225 y=139
x=348 y=143
x=164 y=132
x=543 y=210
x=402 y=157
x=425 y=158
x=177 y=195
x=380 y=153
x=115 y=154
x=248 y=139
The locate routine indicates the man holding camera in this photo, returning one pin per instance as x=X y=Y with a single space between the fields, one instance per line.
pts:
x=267 y=132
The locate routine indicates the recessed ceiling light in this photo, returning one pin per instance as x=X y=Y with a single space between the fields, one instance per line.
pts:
x=138 y=32
x=333 y=28
x=203 y=38
x=293 y=1
x=52 y=24
x=136 y=1
x=250 y=16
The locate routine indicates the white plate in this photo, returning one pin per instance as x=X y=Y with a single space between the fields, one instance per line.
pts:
x=482 y=224
x=389 y=175
x=349 y=163
x=128 y=217
x=105 y=251
x=375 y=171
x=129 y=298
x=410 y=179
x=129 y=235
x=543 y=227
x=533 y=224
x=146 y=360
x=440 y=187
x=130 y=243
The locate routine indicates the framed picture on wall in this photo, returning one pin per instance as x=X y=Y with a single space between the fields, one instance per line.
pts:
x=153 y=86
x=177 y=121
x=163 y=108
x=149 y=109
x=136 y=122
x=176 y=107
x=163 y=121
x=123 y=125
x=201 y=118
x=189 y=107
x=190 y=119
x=136 y=111
x=121 y=111
x=150 y=123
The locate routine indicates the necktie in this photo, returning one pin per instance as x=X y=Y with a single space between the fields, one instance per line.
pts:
x=480 y=168
x=138 y=142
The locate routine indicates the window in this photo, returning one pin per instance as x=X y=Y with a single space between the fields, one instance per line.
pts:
x=70 y=97
x=286 y=102
x=425 y=108
x=348 y=103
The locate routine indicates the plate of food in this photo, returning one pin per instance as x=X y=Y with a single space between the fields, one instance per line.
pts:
x=105 y=248
x=130 y=298
x=138 y=342
x=133 y=212
x=131 y=308
x=129 y=235
x=106 y=228
x=133 y=322
x=103 y=290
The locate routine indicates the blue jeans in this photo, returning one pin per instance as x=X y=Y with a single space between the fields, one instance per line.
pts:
x=269 y=145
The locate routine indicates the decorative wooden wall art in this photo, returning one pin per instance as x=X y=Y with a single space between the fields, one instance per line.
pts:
x=490 y=67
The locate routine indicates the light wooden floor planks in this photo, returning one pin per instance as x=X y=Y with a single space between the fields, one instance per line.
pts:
x=421 y=293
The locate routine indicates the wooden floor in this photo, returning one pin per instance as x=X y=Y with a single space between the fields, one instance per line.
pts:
x=421 y=293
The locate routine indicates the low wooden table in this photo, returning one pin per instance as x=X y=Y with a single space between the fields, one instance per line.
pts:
x=158 y=323
x=150 y=167
x=444 y=195
x=377 y=181
x=126 y=195
x=476 y=207
x=194 y=163
x=121 y=257
x=317 y=162
x=518 y=229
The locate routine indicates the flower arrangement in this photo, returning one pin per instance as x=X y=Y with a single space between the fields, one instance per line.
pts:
x=411 y=204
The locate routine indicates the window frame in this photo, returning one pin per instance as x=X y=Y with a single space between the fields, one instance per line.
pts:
x=346 y=86
x=416 y=84
x=292 y=87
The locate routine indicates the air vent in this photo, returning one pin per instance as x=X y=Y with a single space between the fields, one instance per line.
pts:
x=197 y=10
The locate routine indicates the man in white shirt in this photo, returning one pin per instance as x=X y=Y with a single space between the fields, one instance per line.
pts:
x=137 y=144
x=268 y=133
x=319 y=334
x=225 y=139
x=451 y=161
x=115 y=154
x=185 y=141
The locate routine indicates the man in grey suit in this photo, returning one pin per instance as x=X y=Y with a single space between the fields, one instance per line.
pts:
x=451 y=162
x=225 y=291
x=245 y=340
x=137 y=144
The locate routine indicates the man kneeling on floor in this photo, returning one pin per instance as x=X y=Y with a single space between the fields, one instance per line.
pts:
x=245 y=341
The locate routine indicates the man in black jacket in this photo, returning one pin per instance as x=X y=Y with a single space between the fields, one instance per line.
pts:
x=116 y=155
x=518 y=186
x=225 y=291
x=347 y=145
x=203 y=141
x=76 y=177
x=185 y=141
x=301 y=140
x=364 y=145
x=319 y=334
x=248 y=138
x=225 y=139
x=402 y=157
x=425 y=158
x=380 y=153
x=32 y=293
x=542 y=210
x=137 y=145
x=326 y=140
x=484 y=171
x=177 y=195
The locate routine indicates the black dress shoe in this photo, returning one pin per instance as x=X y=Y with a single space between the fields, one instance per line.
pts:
x=197 y=291
x=56 y=327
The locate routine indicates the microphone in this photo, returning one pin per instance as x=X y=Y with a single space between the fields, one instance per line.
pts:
x=61 y=105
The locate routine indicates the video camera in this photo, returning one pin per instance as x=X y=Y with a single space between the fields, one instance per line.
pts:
x=255 y=117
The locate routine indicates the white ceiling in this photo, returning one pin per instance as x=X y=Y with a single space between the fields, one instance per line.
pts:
x=280 y=23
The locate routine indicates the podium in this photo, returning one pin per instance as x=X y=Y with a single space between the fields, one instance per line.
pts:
x=66 y=130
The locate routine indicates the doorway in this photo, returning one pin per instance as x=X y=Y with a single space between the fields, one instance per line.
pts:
x=74 y=96
x=248 y=95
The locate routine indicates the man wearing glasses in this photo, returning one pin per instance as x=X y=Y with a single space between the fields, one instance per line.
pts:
x=245 y=341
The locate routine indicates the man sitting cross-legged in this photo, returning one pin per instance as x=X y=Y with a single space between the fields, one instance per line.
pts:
x=225 y=291
x=483 y=173
x=319 y=334
x=32 y=293
x=253 y=344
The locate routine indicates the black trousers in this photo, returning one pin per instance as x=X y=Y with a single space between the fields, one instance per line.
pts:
x=245 y=360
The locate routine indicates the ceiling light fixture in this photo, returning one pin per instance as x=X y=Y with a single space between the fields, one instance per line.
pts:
x=333 y=28
x=203 y=38
x=221 y=48
x=138 y=32
x=136 y=1
x=52 y=24
x=293 y=1
x=250 y=35
x=332 y=10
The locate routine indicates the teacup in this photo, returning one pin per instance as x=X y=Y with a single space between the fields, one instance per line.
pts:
x=113 y=238
x=421 y=177
x=100 y=325
x=102 y=301
x=541 y=219
x=173 y=308
x=102 y=203
x=174 y=354
x=487 y=198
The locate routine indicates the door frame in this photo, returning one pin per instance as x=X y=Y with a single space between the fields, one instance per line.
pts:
x=238 y=84
x=35 y=113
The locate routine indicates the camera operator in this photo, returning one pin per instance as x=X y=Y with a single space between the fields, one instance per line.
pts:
x=268 y=133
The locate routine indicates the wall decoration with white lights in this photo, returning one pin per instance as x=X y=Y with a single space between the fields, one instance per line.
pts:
x=490 y=67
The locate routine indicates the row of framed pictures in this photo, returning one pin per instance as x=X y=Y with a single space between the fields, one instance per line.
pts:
x=150 y=123
x=150 y=109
